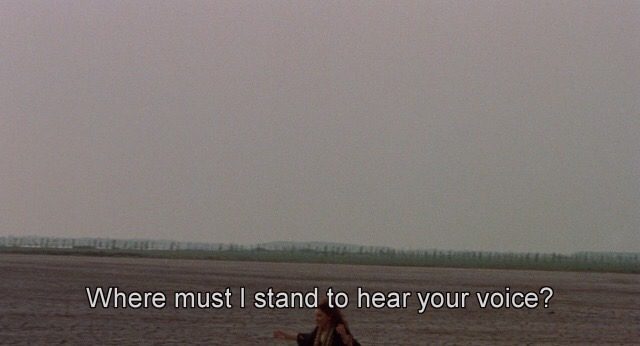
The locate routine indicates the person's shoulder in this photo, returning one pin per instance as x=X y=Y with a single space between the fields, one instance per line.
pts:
x=305 y=339
x=337 y=341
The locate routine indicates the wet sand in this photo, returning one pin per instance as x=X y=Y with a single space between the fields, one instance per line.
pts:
x=43 y=301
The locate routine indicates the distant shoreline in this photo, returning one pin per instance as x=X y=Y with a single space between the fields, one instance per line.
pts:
x=442 y=259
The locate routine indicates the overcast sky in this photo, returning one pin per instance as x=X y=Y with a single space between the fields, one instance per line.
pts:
x=483 y=125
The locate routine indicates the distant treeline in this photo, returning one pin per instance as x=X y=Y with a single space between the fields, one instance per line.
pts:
x=318 y=252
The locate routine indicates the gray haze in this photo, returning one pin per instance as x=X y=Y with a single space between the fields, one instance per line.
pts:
x=487 y=125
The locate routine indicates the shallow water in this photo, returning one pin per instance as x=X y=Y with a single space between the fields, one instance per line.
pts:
x=43 y=301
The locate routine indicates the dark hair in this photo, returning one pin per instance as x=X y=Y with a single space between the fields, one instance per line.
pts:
x=334 y=313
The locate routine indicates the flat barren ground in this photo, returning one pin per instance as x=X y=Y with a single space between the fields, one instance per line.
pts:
x=43 y=301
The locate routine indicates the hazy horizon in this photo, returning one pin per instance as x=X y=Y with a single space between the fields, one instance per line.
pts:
x=489 y=125
x=353 y=246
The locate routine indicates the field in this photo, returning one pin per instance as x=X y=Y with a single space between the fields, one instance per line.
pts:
x=43 y=301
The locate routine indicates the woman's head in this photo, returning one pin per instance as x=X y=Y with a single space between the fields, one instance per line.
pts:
x=327 y=316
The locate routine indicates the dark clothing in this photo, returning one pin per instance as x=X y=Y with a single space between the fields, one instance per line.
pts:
x=307 y=339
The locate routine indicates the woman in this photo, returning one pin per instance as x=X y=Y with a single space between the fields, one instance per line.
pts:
x=331 y=330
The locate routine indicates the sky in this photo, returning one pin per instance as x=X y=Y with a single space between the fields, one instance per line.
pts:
x=484 y=125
